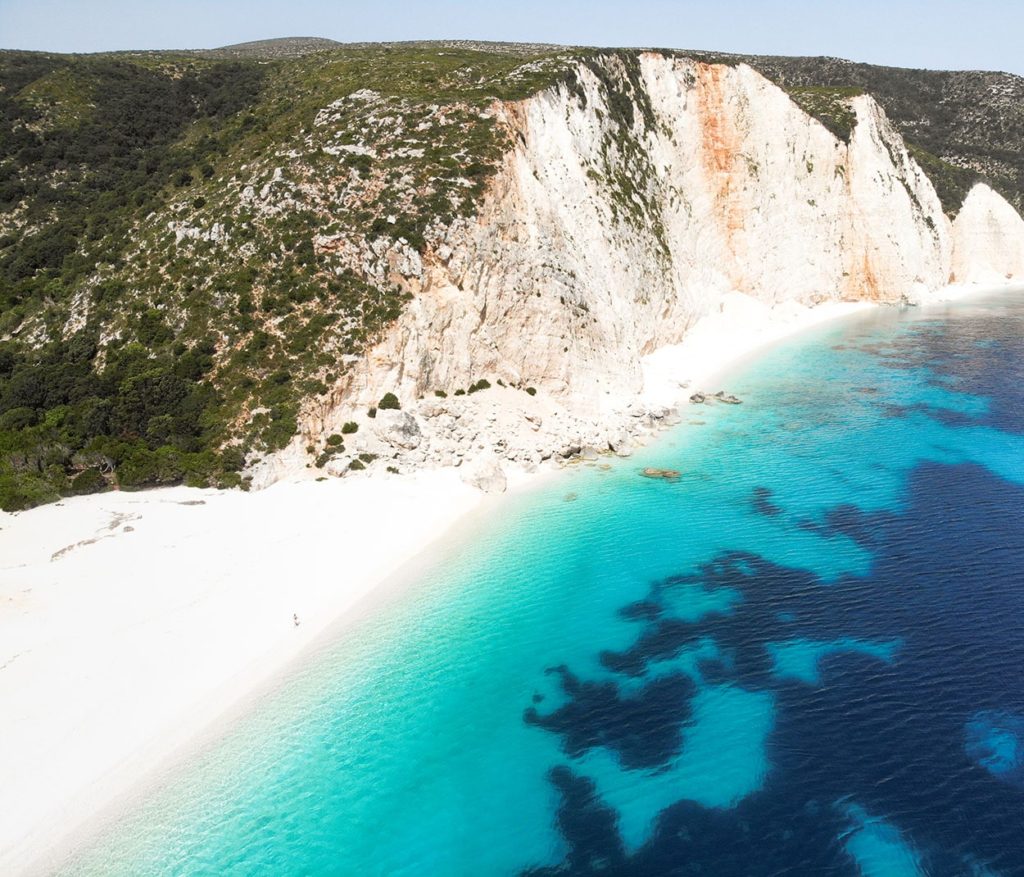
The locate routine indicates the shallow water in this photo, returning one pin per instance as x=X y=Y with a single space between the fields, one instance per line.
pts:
x=804 y=657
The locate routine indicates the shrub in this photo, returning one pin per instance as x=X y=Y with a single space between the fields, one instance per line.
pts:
x=367 y=458
x=349 y=428
x=334 y=439
x=460 y=392
x=17 y=418
x=532 y=391
x=441 y=394
x=392 y=470
x=356 y=465
x=389 y=401
x=372 y=412
x=87 y=481
x=482 y=384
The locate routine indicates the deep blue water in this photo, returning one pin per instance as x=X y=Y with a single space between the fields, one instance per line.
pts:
x=805 y=657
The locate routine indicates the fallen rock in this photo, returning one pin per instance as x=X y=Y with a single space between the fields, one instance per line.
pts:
x=398 y=428
x=727 y=398
x=698 y=399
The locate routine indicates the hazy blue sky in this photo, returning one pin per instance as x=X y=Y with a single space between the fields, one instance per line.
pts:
x=983 y=34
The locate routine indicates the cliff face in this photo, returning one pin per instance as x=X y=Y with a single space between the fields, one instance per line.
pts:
x=988 y=240
x=634 y=197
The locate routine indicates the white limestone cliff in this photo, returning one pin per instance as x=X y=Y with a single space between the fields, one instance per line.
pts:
x=602 y=239
x=988 y=239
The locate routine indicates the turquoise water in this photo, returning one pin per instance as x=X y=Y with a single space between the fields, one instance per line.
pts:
x=803 y=657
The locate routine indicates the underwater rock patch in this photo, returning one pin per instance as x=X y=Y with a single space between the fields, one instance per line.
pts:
x=994 y=740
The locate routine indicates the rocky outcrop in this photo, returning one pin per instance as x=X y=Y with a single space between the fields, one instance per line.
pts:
x=988 y=236
x=633 y=198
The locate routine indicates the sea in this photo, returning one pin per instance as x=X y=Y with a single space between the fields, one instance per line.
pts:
x=804 y=655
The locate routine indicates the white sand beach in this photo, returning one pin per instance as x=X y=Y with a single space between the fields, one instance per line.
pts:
x=129 y=622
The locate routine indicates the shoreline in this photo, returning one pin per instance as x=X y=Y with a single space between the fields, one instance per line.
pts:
x=146 y=680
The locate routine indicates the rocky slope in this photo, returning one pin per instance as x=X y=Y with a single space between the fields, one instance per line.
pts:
x=216 y=270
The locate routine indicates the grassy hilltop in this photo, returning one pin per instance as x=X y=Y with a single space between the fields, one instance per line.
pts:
x=169 y=294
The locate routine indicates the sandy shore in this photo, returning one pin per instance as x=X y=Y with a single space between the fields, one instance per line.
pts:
x=129 y=622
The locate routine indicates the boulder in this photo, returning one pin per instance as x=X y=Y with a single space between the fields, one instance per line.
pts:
x=398 y=428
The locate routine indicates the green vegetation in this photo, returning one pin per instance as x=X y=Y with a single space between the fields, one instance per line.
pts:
x=389 y=401
x=173 y=218
x=951 y=183
x=829 y=105
x=349 y=428
x=482 y=384
x=68 y=426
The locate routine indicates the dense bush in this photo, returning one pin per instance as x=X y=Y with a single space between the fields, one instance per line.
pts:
x=389 y=401
x=140 y=417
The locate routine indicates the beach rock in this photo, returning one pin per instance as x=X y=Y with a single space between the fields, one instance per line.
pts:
x=727 y=398
x=398 y=428
x=485 y=473
x=664 y=474
x=698 y=399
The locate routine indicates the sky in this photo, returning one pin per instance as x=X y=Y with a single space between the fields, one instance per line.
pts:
x=940 y=34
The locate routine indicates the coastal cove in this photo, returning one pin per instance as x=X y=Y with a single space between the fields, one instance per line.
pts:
x=596 y=593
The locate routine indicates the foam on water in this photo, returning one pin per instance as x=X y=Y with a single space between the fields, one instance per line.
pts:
x=668 y=678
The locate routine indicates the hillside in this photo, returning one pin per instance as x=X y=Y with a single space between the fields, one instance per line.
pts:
x=198 y=250
x=269 y=50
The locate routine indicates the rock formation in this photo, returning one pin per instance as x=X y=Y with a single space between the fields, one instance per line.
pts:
x=633 y=197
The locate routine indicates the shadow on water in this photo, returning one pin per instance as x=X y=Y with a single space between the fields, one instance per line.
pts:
x=888 y=734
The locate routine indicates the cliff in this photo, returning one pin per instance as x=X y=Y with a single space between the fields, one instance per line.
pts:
x=636 y=196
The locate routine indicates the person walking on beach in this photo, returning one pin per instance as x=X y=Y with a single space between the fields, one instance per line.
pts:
x=295 y=618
